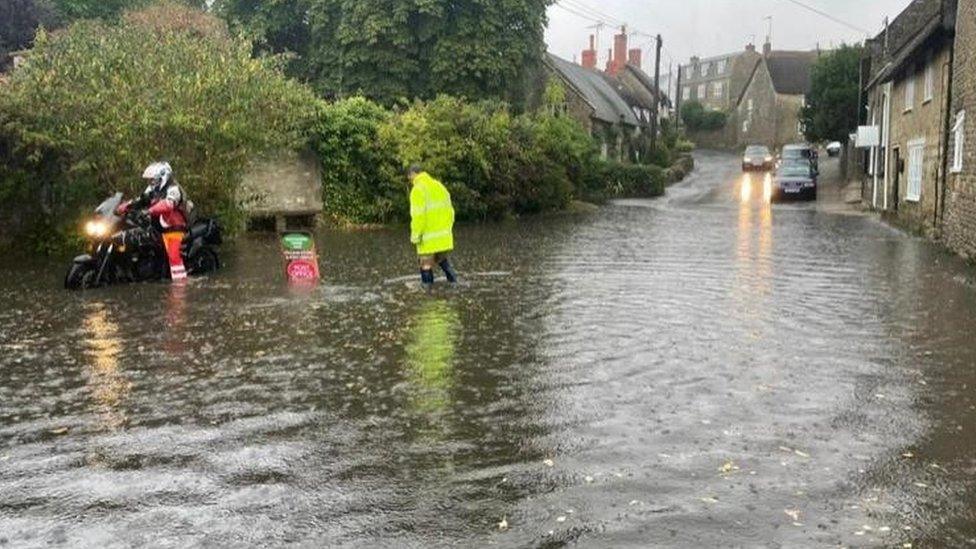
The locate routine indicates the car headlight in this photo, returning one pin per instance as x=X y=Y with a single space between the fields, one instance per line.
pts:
x=769 y=159
x=97 y=229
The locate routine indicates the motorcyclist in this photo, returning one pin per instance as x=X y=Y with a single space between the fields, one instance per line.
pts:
x=164 y=200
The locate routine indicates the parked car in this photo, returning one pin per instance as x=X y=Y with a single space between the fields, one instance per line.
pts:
x=795 y=178
x=804 y=152
x=833 y=149
x=758 y=157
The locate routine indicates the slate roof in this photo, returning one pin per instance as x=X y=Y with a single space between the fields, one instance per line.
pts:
x=790 y=71
x=607 y=103
x=908 y=33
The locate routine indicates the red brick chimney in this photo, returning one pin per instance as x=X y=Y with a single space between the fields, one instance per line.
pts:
x=635 y=57
x=609 y=68
x=619 y=59
x=589 y=56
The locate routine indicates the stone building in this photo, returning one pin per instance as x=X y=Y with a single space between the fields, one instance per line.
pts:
x=283 y=193
x=717 y=82
x=597 y=105
x=908 y=93
x=959 y=229
x=768 y=110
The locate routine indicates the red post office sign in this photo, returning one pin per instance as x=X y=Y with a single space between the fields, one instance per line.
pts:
x=301 y=257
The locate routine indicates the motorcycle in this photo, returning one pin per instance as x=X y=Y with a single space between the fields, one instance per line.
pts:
x=129 y=248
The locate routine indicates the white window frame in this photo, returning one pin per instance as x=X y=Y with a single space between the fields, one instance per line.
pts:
x=702 y=92
x=708 y=68
x=915 y=170
x=929 y=80
x=910 y=89
x=686 y=94
x=959 y=142
x=720 y=69
x=718 y=90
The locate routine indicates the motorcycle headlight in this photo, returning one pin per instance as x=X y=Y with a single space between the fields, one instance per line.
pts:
x=97 y=229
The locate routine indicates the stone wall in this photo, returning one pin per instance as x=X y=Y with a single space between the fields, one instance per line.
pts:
x=755 y=119
x=788 y=109
x=922 y=121
x=959 y=230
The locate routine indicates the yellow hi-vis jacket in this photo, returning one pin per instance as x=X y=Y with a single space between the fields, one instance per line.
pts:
x=432 y=216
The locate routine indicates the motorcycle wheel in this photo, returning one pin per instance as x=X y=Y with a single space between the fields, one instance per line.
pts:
x=204 y=262
x=81 y=276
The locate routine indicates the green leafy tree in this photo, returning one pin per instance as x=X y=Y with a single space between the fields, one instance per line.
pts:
x=831 y=112
x=697 y=118
x=98 y=101
x=392 y=49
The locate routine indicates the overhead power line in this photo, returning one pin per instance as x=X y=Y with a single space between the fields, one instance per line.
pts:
x=829 y=16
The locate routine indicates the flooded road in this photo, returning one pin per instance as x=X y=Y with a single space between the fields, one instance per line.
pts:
x=701 y=370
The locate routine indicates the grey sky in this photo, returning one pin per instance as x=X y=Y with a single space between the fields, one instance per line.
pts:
x=713 y=27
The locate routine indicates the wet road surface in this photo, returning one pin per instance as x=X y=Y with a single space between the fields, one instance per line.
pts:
x=701 y=370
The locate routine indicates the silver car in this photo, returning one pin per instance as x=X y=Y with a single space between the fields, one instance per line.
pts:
x=757 y=157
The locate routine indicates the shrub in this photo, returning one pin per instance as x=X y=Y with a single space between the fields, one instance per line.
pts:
x=696 y=118
x=98 y=101
x=494 y=163
x=633 y=180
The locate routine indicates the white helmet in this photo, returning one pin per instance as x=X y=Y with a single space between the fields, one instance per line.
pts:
x=159 y=174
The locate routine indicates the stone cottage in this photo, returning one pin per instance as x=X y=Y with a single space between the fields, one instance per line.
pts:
x=768 y=111
x=593 y=101
x=959 y=229
x=908 y=94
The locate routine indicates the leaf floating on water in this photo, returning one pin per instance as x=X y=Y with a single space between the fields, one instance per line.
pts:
x=588 y=479
x=549 y=463
x=921 y=485
x=908 y=455
x=709 y=500
x=884 y=529
x=503 y=525
x=560 y=519
x=801 y=454
x=793 y=514
x=59 y=431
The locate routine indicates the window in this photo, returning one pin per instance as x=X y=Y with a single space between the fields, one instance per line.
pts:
x=708 y=68
x=686 y=93
x=702 y=91
x=701 y=70
x=718 y=90
x=929 y=79
x=910 y=89
x=721 y=67
x=959 y=141
x=916 y=169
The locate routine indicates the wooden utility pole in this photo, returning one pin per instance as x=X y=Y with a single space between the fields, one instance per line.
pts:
x=677 y=101
x=657 y=94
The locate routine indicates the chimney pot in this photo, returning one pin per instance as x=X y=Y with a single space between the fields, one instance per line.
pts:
x=767 y=48
x=751 y=48
x=635 y=57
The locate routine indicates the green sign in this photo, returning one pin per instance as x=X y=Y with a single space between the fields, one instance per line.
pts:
x=297 y=242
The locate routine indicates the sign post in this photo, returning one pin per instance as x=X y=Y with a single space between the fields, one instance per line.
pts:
x=301 y=257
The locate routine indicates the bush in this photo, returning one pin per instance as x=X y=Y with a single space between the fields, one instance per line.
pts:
x=97 y=102
x=633 y=180
x=494 y=163
x=696 y=118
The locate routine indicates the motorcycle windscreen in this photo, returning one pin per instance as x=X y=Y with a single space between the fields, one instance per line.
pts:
x=107 y=209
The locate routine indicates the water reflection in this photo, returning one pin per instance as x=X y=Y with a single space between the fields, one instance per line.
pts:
x=745 y=192
x=108 y=386
x=175 y=343
x=431 y=350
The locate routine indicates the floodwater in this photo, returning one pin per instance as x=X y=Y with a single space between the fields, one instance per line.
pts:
x=700 y=370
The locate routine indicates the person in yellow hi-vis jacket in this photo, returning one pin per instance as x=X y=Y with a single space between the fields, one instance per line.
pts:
x=431 y=225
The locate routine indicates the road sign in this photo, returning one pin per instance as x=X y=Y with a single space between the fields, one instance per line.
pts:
x=301 y=257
